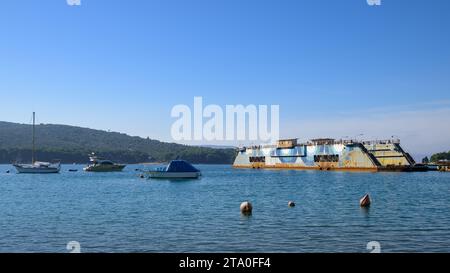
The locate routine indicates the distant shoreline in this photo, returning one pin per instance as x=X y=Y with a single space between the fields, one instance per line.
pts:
x=71 y=144
x=148 y=164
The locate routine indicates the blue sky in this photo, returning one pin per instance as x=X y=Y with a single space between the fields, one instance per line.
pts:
x=336 y=68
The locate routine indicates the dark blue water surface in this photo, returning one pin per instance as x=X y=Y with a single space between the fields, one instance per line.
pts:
x=119 y=212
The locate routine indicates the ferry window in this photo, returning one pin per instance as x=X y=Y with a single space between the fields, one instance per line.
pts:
x=257 y=159
x=326 y=158
x=106 y=163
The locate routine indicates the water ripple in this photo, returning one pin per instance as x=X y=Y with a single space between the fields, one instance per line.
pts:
x=119 y=212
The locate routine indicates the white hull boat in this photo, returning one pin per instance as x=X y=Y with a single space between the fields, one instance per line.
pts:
x=104 y=168
x=37 y=166
x=102 y=165
x=156 y=174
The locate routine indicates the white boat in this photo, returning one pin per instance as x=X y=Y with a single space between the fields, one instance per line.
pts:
x=177 y=169
x=37 y=166
x=102 y=165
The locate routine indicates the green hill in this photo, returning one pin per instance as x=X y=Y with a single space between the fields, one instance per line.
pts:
x=440 y=156
x=72 y=144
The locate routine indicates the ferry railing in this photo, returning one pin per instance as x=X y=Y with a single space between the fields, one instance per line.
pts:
x=339 y=141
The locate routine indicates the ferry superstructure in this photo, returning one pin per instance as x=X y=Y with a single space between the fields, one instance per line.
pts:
x=328 y=154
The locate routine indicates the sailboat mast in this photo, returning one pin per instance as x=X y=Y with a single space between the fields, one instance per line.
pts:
x=33 y=150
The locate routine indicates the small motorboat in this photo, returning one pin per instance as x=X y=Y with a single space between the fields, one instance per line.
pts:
x=177 y=169
x=102 y=165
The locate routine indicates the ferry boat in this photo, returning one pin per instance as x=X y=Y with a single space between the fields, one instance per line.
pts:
x=177 y=169
x=328 y=154
x=102 y=165
x=37 y=167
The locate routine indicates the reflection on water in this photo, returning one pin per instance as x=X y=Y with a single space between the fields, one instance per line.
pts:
x=365 y=211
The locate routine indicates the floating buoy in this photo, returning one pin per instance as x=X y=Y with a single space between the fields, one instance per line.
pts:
x=246 y=208
x=7 y=171
x=291 y=204
x=365 y=201
x=141 y=176
x=73 y=170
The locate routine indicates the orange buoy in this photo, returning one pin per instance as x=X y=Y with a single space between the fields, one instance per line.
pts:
x=365 y=201
x=246 y=208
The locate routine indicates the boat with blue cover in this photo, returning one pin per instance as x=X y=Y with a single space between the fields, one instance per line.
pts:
x=178 y=169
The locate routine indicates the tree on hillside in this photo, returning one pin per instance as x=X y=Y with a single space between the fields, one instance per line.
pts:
x=73 y=144
x=440 y=156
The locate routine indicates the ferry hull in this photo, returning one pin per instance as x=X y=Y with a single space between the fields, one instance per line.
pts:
x=308 y=168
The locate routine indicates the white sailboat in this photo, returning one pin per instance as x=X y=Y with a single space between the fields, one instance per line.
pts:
x=37 y=166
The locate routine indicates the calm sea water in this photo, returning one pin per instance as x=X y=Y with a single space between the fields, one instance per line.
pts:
x=119 y=212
